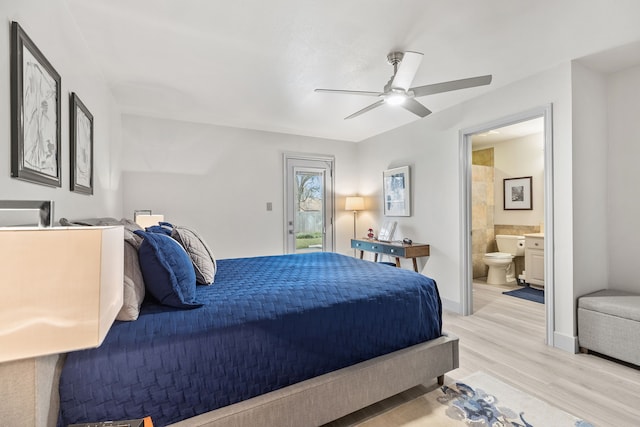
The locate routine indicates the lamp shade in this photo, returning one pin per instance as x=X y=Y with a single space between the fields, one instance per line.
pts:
x=62 y=288
x=354 y=203
x=145 y=221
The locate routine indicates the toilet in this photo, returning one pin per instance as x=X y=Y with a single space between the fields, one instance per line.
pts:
x=501 y=267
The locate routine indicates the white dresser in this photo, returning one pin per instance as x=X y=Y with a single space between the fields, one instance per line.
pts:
x=534 y=259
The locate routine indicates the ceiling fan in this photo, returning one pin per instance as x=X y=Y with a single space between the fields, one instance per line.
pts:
x=397 y=91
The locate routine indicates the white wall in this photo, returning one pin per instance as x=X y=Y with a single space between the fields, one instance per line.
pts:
x=515 y=158
x=431 y=146
x=52 y=29
x=623 y=204
x=218 y=180
x=590 y=267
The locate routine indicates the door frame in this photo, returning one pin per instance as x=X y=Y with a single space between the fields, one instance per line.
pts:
x=329 y=214
x=466 y=290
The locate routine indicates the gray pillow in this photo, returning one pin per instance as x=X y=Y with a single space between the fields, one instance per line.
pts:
x=129 y=235
x=133 y=284
x=130 y=225
x=204 y=263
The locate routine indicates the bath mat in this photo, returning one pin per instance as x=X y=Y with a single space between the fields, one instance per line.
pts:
x=528 y=293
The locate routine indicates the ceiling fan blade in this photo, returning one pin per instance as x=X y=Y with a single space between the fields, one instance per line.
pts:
x=407 y=70
x=365 y=109
x=415 y=107
x=349 y=92
x=452 y=85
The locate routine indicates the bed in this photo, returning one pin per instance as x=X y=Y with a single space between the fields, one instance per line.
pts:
x=291 y=340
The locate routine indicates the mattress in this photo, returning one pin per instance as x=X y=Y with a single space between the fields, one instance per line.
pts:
x=266 y=323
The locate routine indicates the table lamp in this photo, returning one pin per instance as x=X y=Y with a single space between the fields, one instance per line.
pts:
x=62 y=289
x=145 y=218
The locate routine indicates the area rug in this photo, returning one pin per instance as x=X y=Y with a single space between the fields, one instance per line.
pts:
x=528 y=293
x=479 y=400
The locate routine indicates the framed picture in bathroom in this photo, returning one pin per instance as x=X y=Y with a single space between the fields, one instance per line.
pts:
x=517 y=193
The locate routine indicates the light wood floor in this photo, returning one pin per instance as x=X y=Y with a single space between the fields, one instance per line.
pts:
x=505 y=338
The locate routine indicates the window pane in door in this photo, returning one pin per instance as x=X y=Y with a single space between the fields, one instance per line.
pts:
x=309 y=211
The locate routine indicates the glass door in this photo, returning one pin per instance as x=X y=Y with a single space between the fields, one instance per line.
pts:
x=309 y=213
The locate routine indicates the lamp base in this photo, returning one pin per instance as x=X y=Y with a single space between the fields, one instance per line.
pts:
x=355 y=214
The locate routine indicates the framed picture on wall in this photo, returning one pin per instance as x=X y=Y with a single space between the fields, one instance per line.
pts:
x=518 y=193
x=35 y=113
x=81 y=142
x=396 y=192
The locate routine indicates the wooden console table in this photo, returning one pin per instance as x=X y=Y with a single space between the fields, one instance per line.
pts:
x=397 y=250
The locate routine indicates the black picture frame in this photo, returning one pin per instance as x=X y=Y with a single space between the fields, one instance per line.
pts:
x=518 y=193
x=81 y=146
x=36 y=148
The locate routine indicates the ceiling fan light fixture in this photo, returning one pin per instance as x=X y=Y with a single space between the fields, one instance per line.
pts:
x=395 y=99
x=398 y=90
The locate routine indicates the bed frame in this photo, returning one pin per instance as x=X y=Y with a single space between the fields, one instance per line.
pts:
x=330 y=396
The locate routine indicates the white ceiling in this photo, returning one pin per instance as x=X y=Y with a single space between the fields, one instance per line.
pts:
x=255 y=63
x=507 y=133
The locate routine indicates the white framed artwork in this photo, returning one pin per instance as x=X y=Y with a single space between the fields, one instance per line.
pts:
x=396 y=192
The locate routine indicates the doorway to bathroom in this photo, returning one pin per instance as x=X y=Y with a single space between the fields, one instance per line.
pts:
x=505 y=161
x=507 y=190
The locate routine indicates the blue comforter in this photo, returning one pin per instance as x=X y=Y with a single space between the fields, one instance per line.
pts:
x=266 y=323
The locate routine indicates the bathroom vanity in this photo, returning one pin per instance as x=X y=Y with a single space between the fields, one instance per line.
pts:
x=534 y=259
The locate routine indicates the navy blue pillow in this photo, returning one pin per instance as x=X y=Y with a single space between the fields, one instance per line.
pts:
x=167 y=271
x=162 y=228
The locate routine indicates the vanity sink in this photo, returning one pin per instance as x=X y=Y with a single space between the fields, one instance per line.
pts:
x=534 y=259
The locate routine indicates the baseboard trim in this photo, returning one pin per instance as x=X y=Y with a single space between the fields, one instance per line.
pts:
x=453 y=306
x=565 y=342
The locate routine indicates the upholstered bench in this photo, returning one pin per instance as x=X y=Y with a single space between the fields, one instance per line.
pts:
x=609 y=323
